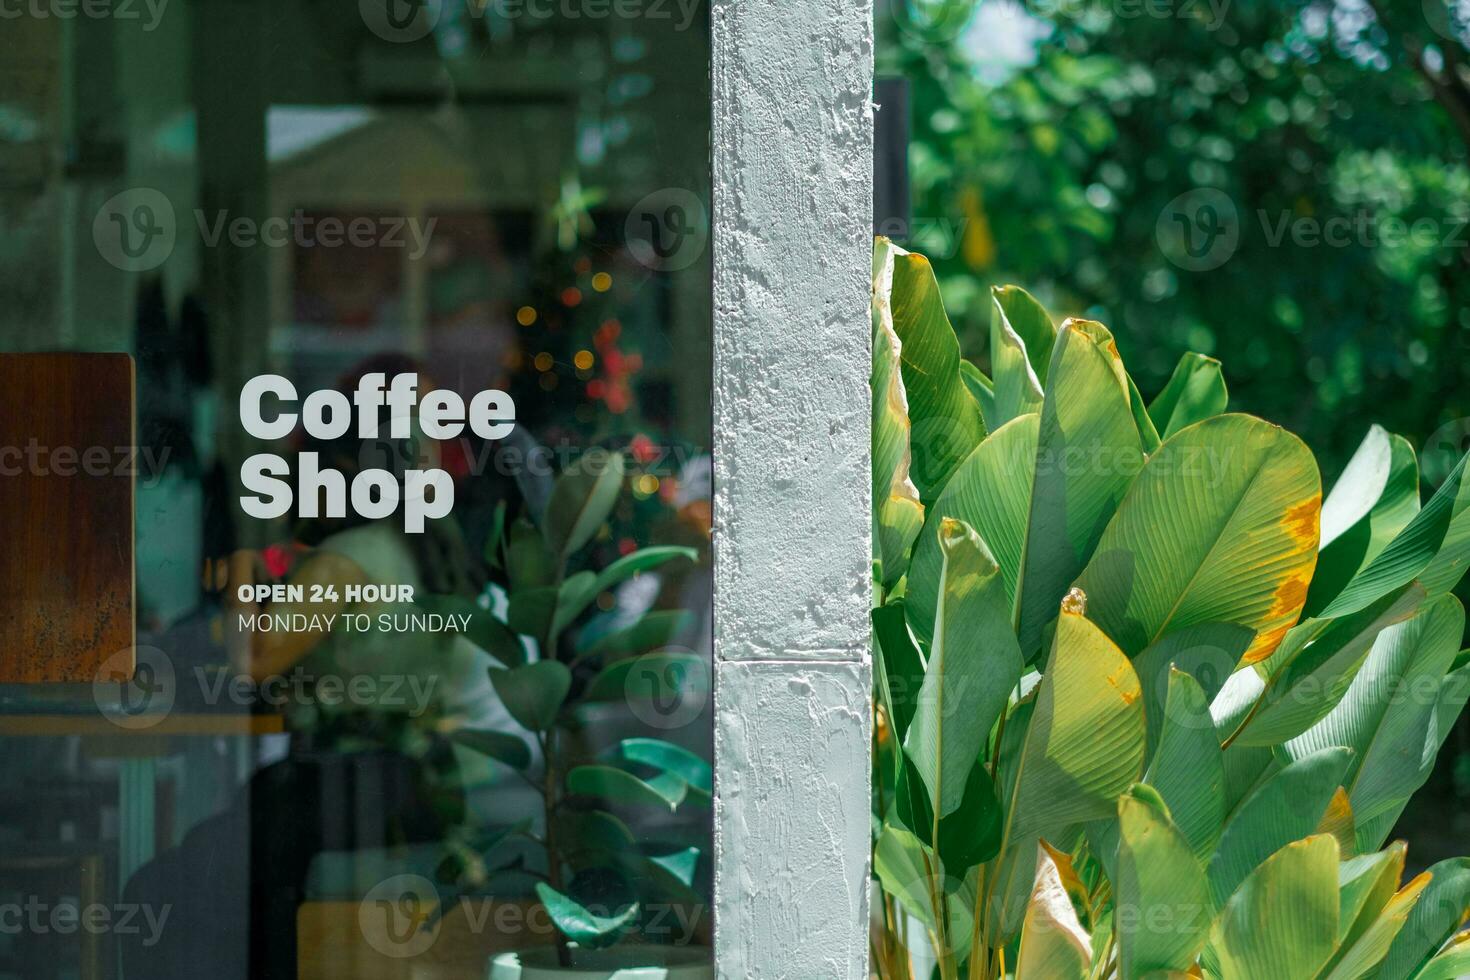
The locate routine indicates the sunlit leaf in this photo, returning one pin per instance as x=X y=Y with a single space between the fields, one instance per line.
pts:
x=1220 y=527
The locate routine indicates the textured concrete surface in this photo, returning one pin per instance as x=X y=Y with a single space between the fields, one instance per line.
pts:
x=793 y=177
x=792 y=237
x=791 y=820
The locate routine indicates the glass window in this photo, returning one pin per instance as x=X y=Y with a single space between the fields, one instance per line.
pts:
x=388 y=323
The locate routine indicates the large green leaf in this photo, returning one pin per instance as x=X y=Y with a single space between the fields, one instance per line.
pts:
x=1366 y=886
x=1364 y=951
x=580 y=502
x=1220 y=527
x=1187 y=769
x=1447 y=568
x=533 y=694
x=1440 y=912
x=1432 y=548
x=1282 y=922
x=1015 y=384
x=898 y=863
x=1315 y=665
x=897 y=513
x=1208 y=652
x=981 y=387
x=973 y=665
x=1287 y=807
x=1452 y=964
x=1088 y=451
x=1375 y=498
x=1029 y=320
x=991 y=491
x=944 y=417
x=1245 y=768
x=1148 y=434
x=1195 y=392
x=1163 y=909
x=967 y=837
x=1388 y=710
x=1054 y=946
x=1085 y=742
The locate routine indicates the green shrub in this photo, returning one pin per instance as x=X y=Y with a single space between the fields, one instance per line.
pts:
x=1148 y=706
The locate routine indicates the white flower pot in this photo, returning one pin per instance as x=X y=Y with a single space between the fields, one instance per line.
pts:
x=618 y=963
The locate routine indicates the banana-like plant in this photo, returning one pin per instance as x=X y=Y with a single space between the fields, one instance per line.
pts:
x=1149 y=706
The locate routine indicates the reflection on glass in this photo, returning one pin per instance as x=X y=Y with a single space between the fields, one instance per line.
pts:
x=340 y=748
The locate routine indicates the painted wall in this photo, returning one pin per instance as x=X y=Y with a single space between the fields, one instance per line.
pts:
x=792 y=232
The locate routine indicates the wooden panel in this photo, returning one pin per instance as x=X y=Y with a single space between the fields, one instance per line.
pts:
x=66 y=517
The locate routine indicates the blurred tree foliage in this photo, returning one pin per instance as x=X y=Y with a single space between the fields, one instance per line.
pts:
x=1054 y=172
x=1052 y=138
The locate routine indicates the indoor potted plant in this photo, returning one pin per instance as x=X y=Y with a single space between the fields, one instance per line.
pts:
x=611 y=892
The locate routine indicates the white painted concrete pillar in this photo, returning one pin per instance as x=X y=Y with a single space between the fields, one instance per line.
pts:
x=792 y=233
